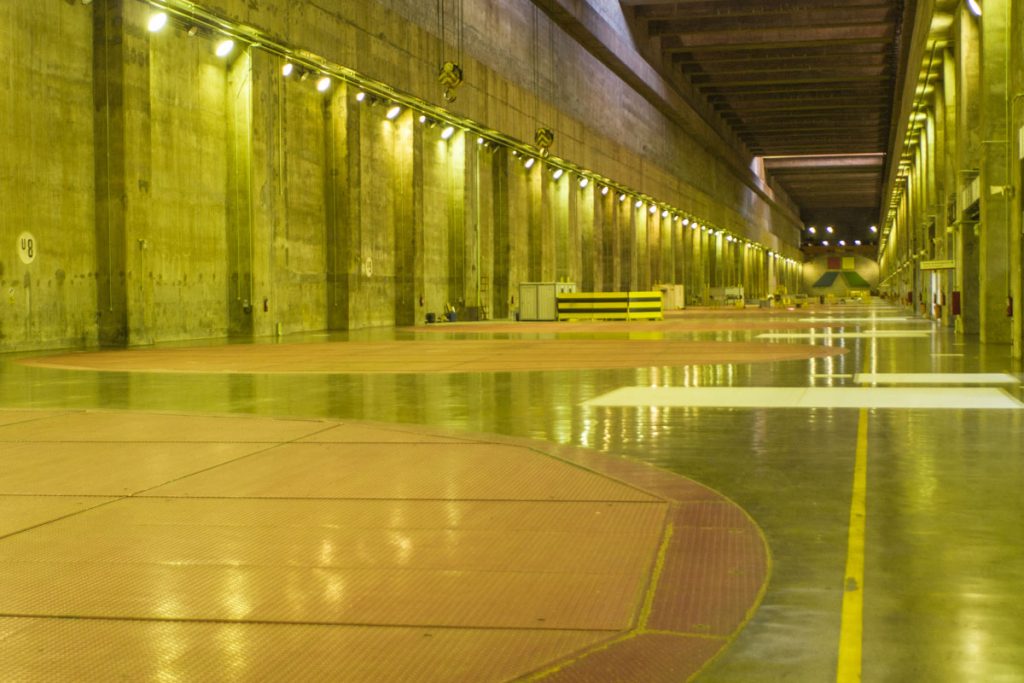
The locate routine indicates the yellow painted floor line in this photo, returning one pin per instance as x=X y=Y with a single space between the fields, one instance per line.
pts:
x=851 y=629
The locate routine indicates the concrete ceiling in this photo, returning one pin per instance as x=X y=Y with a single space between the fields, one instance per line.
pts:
x=809 y=85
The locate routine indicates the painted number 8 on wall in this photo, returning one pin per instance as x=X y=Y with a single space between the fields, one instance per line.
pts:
x=26 y=247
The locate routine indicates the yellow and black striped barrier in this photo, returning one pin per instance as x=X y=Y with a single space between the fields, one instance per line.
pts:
x=610 y=306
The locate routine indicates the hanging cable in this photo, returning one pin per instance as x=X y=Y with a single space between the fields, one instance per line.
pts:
x=450 y=74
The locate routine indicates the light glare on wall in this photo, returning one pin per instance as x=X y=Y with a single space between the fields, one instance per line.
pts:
x=664 y=213
x=622 y=197
x=974 y=7
x=323 y=84
x=874 y=228
x=557 y=174
x=287 y=69
x=604 y=191
x=653 y=210
x=157 y=22
x=447 y=132
x=529 y=163
x=225 y=47
x=584 y=182
x=686 y=221
x=394 y=112
x=638 y=203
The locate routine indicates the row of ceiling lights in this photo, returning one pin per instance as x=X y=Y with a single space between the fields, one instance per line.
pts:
x=224 y=46
x=829 y=230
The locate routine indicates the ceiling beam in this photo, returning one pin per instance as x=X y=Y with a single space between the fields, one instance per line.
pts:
x=776 y=38
x=803 y=20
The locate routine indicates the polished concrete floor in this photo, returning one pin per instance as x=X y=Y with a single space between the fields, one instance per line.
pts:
x=942 y=547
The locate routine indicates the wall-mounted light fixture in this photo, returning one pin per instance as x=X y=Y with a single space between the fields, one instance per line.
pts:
x=447 y=132
x=323 y=84
x=394 y=111
x=975 y=7
x=584 y=182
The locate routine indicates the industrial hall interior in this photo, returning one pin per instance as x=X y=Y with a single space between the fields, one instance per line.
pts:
x=469 y=341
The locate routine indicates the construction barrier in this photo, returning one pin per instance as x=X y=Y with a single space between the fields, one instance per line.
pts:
x=610 y=306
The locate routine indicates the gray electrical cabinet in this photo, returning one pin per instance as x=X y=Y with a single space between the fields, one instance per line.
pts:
x=539 y=300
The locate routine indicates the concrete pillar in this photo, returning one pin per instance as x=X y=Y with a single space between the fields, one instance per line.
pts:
x=342 y=206
x=485 y=221
x=968 y=158
x=1016 y=130
x=407 y=159
x=628 y=227
x=502 y=294
x=123 y=160
x=560 y=262
x=588 y=255
x=996 y=200
x=240 y=210
x=458 y=214
x=679 y=260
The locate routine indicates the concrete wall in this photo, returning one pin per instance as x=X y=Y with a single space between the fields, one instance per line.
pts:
x=47 y=186
x=203 y=197
x=866 y=267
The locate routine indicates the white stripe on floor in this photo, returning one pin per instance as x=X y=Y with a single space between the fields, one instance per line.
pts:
x=826 y=334
x=935 y=378
x=808 y=397
x=869 y=319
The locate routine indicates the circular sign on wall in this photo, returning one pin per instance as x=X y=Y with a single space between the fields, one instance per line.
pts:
x=26 y=247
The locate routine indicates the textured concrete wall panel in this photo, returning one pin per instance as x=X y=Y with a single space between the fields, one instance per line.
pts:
x=46 y=175
x=179 y=258
x=299 y=281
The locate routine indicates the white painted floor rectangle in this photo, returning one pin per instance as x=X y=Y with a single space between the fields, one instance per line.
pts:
x=808 y=397
x=935 y=378
x=827 y=334
x=865 y=319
